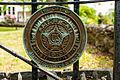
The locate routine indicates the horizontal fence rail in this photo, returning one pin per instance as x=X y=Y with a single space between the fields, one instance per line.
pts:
x=51 y=3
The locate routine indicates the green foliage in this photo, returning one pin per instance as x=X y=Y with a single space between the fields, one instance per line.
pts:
x=4 y=8
x=88 y=14
x=111 y=15
x=109 y=19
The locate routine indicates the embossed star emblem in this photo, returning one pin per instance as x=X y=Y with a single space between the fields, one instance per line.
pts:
x=55 y=36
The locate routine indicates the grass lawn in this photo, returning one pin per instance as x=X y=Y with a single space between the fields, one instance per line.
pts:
x=14 y=39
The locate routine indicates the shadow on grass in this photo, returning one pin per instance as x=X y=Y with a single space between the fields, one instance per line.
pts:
x=6 y=29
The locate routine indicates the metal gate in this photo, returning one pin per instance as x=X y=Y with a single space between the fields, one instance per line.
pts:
x=76 y=3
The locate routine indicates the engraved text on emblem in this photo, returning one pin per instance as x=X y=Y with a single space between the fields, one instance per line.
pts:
x=55 y=37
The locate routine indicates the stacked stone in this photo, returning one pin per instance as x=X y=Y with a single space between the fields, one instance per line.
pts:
x=101 y=38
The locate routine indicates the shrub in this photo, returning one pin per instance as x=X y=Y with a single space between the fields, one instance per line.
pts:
x=88 y=15
x=10 y=19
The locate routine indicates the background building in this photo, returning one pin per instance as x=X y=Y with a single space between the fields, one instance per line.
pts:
x=15 y=10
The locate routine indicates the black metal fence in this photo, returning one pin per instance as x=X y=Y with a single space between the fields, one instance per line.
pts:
x=76 y=3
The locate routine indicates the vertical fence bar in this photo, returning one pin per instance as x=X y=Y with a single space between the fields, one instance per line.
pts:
x=34 y=70
x=116 y=72
x=34 y=7
x=76 y=64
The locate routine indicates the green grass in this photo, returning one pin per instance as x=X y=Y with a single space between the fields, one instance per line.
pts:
x=93 y=61
x=14 y=39
x=8 y=29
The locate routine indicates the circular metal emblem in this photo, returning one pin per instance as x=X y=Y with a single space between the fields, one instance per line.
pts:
x=54 y=37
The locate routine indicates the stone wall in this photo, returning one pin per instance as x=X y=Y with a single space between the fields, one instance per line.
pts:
x=101 y=38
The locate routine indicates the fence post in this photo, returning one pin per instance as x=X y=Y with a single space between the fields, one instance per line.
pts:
x=34 y=7
x=116 y=69
x=34 y=70
x=76 y=64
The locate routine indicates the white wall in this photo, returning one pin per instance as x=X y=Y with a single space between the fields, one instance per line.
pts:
x=17 y=8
